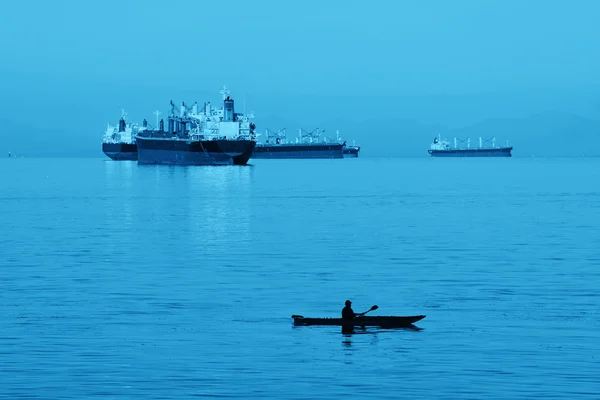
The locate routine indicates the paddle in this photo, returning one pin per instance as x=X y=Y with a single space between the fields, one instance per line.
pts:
x=375 y=307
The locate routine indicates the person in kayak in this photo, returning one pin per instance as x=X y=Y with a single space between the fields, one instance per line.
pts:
x=348 y=312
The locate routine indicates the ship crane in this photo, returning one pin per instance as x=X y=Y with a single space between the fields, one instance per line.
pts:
x=457 y=141
x=490 y=142
x=187 y=110
x=279 y=136
x=315 y=133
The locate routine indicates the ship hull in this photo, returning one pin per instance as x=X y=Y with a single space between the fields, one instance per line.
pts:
x=200 y=152
x=351 y=152
x=120 y=151
x=499 y=152
x=298 y=151
x=384 y=321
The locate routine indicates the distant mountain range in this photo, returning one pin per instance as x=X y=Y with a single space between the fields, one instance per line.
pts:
x=543 y=134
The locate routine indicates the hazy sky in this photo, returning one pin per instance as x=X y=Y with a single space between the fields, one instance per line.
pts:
x=452 y=61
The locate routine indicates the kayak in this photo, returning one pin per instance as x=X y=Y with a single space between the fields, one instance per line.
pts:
x=384 y=321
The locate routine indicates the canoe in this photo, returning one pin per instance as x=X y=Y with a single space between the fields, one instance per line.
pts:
x=384 y=321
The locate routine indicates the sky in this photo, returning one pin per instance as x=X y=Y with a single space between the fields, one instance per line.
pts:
x=452 y=62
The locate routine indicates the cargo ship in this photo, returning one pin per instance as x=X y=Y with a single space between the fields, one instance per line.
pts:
x=442 y=148
x=199 y=136
x=306 y=145
x=351 y=151
x=119 y=141
x=120 y=144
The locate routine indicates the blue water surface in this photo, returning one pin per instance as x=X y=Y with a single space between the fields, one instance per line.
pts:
x=127 y=281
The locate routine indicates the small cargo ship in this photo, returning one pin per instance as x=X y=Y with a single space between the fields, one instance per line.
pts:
x=348 y=151
x=119 y=141
x=442 y=148
x=306 y=145
x=351 y=151
x=200 y=136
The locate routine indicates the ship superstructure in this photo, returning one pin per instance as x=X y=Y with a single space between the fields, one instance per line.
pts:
x=206 y=135
x=118 y=142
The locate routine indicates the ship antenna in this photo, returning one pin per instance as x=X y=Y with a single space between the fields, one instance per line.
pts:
x=224 y=92
x=157 y=113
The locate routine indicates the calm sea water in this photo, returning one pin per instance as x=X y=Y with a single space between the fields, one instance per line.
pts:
x=127 y=281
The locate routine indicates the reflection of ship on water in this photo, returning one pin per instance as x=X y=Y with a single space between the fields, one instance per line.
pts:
x=442 y=148
x=119 y=179
x=305 y=145
x=217 y=203
x=123 y=207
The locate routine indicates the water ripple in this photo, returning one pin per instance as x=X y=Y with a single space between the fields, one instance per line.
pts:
x=174 y=283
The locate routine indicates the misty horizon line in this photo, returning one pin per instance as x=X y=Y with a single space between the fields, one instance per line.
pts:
x=371 y=118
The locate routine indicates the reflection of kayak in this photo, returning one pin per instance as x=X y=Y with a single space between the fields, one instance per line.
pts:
x=386 y=322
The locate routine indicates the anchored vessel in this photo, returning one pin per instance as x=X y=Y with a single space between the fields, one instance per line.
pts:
x=306 y=145
x=119 y=141
x=384 y=321
x=351 y=151
x=441 y=148
x=206 y=136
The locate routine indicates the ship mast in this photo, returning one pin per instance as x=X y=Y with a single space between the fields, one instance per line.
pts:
x=157 y=113
x=224 y=92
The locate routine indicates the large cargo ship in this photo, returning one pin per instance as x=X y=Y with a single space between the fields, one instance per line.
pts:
x=119 y=141
x=306 y=145
x=442 y=148
x=206 y=136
